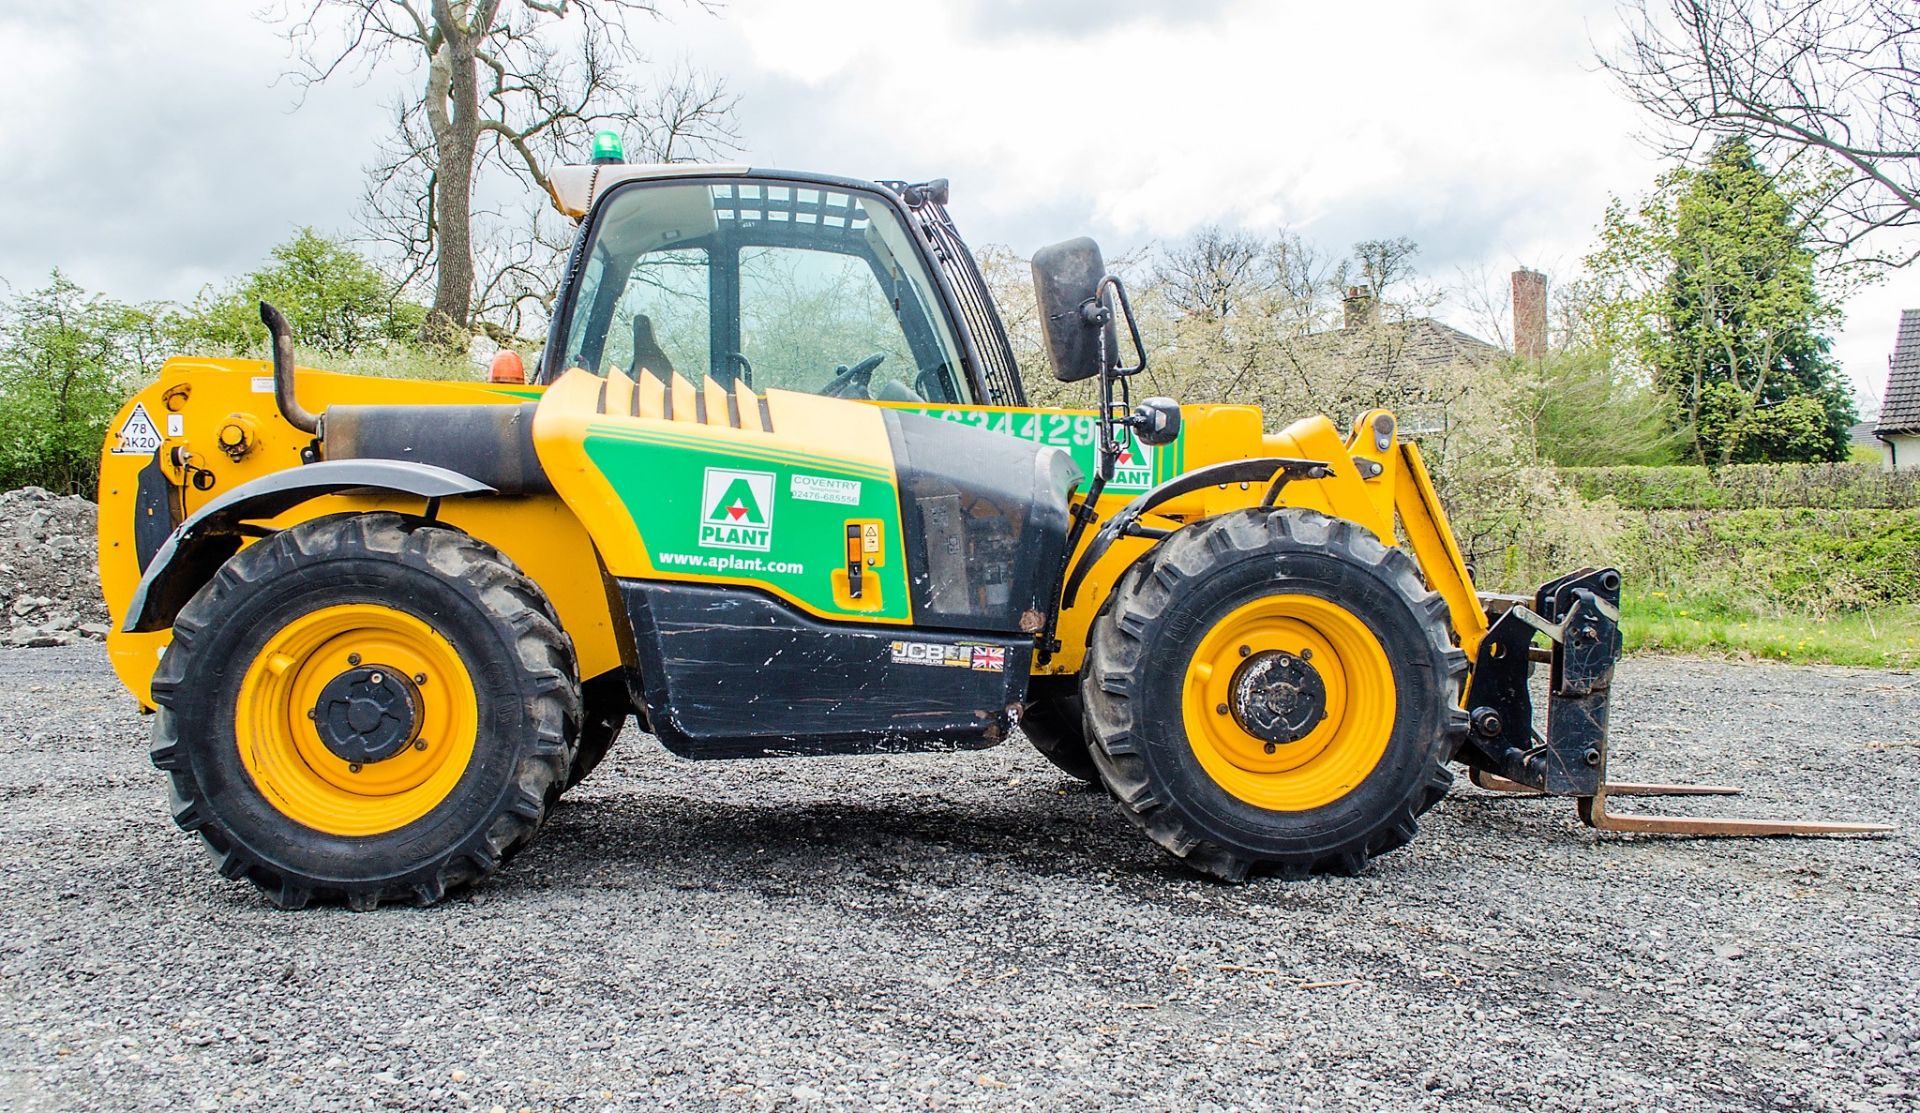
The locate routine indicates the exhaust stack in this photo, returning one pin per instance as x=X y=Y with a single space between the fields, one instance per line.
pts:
x=283 y=398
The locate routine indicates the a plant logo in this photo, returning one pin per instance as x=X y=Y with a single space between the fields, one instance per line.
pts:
x=1134 y=466
x=737 y=510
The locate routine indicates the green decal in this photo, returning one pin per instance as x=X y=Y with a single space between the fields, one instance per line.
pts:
x=1138 y=468
x=755 y=515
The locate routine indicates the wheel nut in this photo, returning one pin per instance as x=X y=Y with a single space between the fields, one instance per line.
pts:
x=1269 y=747
x=1220 y=710
x=353 y=767
x=419 y=678
x=353 y=658
x=1244 y=651
x=1306 y=655
x=420 y=744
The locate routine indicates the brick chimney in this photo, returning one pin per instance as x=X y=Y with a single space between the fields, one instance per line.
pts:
x=1362 y=309
x=1529 y=315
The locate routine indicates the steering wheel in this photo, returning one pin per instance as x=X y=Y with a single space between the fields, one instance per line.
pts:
x=851 y=382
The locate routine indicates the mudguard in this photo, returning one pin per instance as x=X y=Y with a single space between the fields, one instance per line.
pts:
x=202 y=543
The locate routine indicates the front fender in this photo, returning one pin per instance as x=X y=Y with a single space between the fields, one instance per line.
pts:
x=201 y=544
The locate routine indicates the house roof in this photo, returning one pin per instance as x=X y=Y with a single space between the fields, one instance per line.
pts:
x=1430 y=343
x=1900 y=406
x=1397 y=348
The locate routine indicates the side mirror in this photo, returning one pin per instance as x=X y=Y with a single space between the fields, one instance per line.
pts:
x=1076 y=316
x=1156 y=421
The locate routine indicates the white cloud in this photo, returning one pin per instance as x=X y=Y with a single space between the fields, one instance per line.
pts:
x=154 y=152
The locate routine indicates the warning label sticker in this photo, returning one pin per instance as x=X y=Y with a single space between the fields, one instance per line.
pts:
x=138 y=435
x=980 y=658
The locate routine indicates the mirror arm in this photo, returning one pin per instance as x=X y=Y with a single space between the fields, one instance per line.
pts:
x=1096 y=312
x=1133 y=326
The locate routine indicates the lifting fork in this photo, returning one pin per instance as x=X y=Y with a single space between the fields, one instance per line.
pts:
x=1580 y=616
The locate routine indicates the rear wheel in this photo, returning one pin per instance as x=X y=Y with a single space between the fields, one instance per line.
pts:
x=365 y=707
x=1052 y=721
x=1274 y=690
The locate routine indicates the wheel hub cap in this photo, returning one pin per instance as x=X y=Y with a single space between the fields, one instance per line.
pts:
x=1278 y=697
x=367 y=714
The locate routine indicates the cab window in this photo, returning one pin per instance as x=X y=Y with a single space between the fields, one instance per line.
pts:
x=791 y=287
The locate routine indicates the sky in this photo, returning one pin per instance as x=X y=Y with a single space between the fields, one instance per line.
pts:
x=151 y=147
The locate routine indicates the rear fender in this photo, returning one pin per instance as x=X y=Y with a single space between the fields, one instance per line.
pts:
x=201 y=544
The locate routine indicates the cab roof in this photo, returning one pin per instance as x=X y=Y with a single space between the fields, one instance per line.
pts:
x=574 y=187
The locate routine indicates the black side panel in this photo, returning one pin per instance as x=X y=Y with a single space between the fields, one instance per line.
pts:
x=731 y=673
x=985 y=522
x=492 y=444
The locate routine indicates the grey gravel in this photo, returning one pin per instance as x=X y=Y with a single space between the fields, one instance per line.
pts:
x=974 y=930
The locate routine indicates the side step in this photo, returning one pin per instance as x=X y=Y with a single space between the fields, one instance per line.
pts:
x=1580 y=615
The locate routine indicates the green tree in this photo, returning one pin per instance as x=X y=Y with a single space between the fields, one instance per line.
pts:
x=1581 y=408
x=335 y=301
x=67 y=358
x=1714 y=286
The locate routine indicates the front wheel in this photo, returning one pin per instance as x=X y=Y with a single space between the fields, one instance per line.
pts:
x=1274 y=691
x=365 y=707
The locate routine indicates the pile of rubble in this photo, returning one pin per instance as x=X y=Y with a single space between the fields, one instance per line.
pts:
x=49 y=583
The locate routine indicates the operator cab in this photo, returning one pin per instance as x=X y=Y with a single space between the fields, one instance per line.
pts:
x=792 y=282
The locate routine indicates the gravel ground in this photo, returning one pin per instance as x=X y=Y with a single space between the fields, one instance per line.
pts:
x=974 y=930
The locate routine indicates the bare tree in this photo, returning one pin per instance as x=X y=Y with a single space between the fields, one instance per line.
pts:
x=1212 y=273
x=1301 y=273
x=1836 y=79
x=1381 y=265
x=512 y=85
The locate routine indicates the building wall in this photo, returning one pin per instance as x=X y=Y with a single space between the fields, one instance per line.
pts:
x=1900 y=450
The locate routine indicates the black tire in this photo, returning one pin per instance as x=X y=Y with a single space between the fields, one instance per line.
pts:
x=1146 y=637
x=525 y=693
x=1053 y=722
x=607 y=706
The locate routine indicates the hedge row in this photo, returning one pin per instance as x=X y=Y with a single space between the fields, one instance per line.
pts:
x=1750 y=486
x=1803 y=559
x=1785 y=559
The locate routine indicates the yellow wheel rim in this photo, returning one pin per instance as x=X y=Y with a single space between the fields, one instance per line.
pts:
x=1338 y=753
x=282 y=748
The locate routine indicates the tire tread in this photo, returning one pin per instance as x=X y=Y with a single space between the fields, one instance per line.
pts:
x=510 y=599
x=1116 y=660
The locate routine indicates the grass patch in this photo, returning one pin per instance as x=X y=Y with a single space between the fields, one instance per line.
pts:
x=1886 y=637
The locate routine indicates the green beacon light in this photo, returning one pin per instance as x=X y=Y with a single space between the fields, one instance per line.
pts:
x=607 y=148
